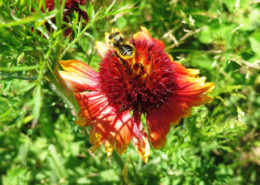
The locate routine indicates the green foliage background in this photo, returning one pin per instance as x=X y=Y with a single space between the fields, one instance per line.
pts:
x=218 y=144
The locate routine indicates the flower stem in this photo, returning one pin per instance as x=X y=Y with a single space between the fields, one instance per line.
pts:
x=118 y=160
x=121 y=164
x=63 y=90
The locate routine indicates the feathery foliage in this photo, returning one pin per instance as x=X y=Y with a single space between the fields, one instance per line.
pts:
x=218 y=144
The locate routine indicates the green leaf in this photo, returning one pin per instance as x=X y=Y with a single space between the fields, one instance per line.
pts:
x=37 y=99
x=230 y=4
x=201 y=60
x=18 y=68
x=90 y=11
x=56 y=163
x=36 y=17
x=255 y=42
x=205 y=36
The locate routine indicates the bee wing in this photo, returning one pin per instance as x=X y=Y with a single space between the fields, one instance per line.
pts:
x=115 y=30
x=102 y=48
x=107 y=37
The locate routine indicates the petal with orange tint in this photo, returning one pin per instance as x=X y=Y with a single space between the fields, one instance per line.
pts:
x=158 y=125
x=94 y=105
x=144 y=35
x=177 y=107
x=81 y=120
x=115 y=131
x=109 y=126
x=180 y=69
x=78 y=76
x=192 y=85
x=190 y=91
x=123 y=130
x=140 y=140
x=109 y=145
x=193 y=91
x=95 y=136
x=102 y=131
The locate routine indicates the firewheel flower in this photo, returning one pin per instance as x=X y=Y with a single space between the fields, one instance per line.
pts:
x=70 y=7
x=150 y=83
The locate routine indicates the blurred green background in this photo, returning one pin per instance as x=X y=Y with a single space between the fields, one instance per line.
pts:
x=218 y=144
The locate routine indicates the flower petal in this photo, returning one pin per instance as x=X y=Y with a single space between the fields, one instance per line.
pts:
x=94 y=105
x=144 y=35
x=109 y=145
x=114 y=132
x=158 y=125
x=78 y=76
x=180 y=69
x=124 y=128
x=109 y=125
x=190 y=91
x=140 y=140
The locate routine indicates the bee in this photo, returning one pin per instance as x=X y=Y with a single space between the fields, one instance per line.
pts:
x=117 y=40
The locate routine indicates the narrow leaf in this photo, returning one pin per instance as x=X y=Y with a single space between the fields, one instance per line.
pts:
x=37 y=105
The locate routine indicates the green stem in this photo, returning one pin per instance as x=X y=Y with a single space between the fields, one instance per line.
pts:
x=121 y=164
x=18 y=68
x=118 y=160
x=63 y=90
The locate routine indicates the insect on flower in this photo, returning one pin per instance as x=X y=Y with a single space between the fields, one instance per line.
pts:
x=149 y=83
x=116 y=39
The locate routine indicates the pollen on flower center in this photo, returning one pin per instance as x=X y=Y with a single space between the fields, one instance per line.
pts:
x=142 y=82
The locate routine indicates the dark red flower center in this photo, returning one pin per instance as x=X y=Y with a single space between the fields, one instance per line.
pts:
x=141 y=83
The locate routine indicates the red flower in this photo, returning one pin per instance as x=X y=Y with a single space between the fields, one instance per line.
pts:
x=151 y=83
x=70 y=7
